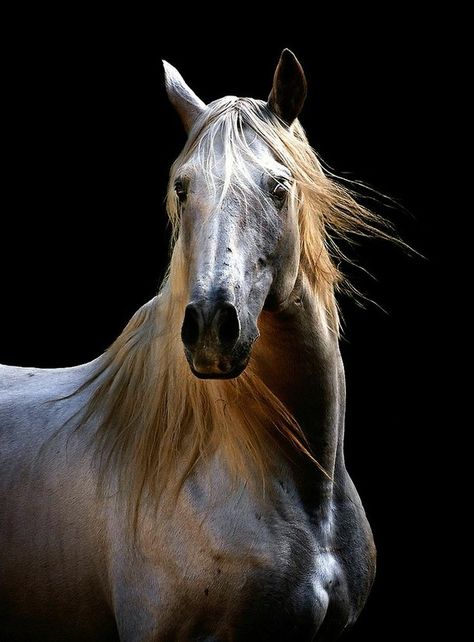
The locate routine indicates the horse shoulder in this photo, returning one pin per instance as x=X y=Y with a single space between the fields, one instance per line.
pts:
x=53 y=534
x=37 y=440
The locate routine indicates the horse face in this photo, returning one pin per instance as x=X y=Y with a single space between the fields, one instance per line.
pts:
x=239 y=232
x=241 y=244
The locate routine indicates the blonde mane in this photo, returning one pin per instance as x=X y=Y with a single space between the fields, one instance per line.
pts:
x=155 y=421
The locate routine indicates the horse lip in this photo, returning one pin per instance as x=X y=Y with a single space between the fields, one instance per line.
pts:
x=231 y=374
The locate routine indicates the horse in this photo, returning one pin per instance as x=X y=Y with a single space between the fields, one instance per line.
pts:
x=190 y=482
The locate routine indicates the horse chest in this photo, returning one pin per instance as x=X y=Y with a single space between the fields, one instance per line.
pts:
x=245 y=577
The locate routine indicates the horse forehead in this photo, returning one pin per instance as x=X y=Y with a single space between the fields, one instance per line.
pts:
x=264 y=153
x=253 y=152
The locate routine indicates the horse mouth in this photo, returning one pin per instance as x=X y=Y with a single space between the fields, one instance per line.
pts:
x=234 y=372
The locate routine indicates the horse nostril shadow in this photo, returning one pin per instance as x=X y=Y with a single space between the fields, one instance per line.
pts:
x=227 y=325
x=190 y=328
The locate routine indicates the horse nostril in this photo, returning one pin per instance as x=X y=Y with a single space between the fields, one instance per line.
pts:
x=227 y=324
x=190 y=327
x=218 y=323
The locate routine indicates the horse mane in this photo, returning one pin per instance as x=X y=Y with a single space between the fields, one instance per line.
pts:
x=155 y=422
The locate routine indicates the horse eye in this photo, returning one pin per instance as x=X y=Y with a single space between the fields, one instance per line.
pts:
x=280 y=192
x=180 y=191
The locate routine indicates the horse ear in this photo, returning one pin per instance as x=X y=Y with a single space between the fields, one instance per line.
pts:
x=289 y=89
x=182 y=97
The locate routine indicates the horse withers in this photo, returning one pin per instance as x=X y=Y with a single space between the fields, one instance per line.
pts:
x=190 y=484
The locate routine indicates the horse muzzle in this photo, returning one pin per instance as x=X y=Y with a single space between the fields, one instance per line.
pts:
x=213 y=340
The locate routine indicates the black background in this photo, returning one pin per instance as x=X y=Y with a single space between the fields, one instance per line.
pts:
x=88 y=138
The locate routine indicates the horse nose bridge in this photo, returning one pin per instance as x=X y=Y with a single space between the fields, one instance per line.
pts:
x=218 y=278
x=218 y=262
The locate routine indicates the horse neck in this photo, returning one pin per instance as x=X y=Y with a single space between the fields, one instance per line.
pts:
x=298 y=358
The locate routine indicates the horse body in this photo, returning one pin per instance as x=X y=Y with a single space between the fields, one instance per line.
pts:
x=224 y=563
x=255 y=540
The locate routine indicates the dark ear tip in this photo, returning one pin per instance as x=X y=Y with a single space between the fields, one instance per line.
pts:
x=287 y=53
x=288 y=58
x=289 y=63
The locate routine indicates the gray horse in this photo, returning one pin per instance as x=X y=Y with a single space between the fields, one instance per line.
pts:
x=190 y=484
